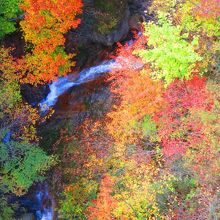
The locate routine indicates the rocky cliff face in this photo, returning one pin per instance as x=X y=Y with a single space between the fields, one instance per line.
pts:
x=139 y=7
x=119 y=32
x=103 y=23
x=107 y=23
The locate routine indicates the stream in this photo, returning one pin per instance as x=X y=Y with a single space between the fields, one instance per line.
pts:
x=42 y=203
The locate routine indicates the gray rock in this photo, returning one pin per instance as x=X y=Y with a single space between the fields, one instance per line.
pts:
x=135 y=22
x=118 y=34
x=27 y=216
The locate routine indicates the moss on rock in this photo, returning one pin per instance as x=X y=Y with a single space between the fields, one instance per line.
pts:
x=108 y=14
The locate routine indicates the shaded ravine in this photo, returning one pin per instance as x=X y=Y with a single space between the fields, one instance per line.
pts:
x=40 y=203
x=57 y=88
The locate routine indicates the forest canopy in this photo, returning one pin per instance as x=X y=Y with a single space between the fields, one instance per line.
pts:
x=139 y=141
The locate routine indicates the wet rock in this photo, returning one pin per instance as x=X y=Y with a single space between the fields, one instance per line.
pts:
x=88 y=42
x=34 y=94
x=138 y=6
x=135 y=22
x=90 y=100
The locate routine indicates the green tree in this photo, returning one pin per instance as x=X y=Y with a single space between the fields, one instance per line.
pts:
x=169 y=52
x=8 y=11
x=10 y=73
x=6 y=210
x=22 y=164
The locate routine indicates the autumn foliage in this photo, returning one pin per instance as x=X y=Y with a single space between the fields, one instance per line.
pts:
x=153 y=152
x=176 y=131
x=53 y=18
x=134 y=90
x=44 y=27
x=208 y=9
x=136 y=94
x=103 y=206
x=161 y=132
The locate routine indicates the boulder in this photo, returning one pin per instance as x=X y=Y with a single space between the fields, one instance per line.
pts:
x=135 y=22
x=118 y=34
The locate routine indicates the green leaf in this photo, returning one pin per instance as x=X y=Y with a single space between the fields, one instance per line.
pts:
x=171 y=55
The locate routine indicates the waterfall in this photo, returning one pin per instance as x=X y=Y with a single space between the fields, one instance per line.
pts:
x=62 y=84
x=44 y=202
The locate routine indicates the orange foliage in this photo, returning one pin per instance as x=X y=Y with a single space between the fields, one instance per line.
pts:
x=138 y=96
x=45 y=23
x=208 y=9
x=43 y=67
x=104 y=204
x=88 y=148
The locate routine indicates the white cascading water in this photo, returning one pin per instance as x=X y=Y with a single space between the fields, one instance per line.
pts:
x=44 y=212
x=62 y=84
